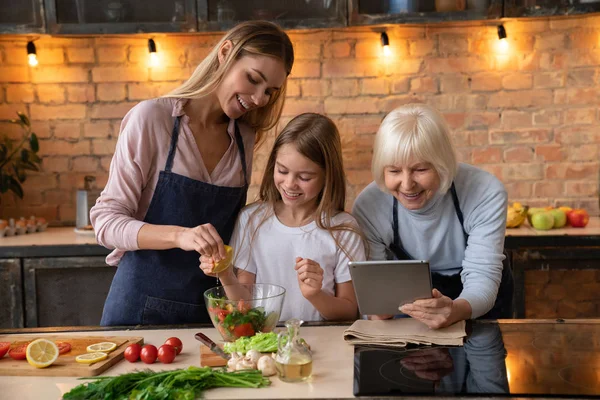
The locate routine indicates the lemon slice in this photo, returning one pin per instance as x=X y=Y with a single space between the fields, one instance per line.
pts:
x=41 y=353
x=90 y=358
x=103 y=347
x=224 y=263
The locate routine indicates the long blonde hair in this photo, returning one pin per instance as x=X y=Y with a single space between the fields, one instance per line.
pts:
x=259 y=38
x=317 y=138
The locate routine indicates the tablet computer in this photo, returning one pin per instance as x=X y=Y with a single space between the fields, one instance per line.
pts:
x=383 y=286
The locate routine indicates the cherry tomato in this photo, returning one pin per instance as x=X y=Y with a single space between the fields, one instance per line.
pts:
x=63 y=347
x=18 y=352
x=132 y=352
x=149 y=354
x=166 y=353
x=4 y=346
x=175 y=342
x=221 y=314
x=243 y=330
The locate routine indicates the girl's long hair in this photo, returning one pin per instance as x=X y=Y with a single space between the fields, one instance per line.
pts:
x=258 y=38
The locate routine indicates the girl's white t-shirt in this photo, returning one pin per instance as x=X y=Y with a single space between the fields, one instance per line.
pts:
x=270 y=253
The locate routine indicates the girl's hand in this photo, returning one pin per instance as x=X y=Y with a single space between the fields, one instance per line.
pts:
x=435 y=312
x=310 y=276
x=206 y=265
x=204 y=239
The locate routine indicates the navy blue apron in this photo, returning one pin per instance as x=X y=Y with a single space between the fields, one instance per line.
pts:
x=451 y=285
x=158 y=287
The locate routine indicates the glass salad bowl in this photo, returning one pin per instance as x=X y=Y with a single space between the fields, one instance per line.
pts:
x=243 y=309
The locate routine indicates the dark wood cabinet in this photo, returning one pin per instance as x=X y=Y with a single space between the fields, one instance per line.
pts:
x=22 y=16
x=541 y=8
x=11 y=294
x=65 y=291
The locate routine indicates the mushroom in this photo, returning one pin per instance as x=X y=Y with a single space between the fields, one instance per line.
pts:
x=253 y=355
x=266 y=364
x=245 y=363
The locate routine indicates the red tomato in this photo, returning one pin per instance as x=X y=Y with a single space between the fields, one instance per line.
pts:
x=63 y=347
x=166 y=353
x=18 y=352
x=149 y=354
x=243 y=330
x=175 y=342
x=132 y=352
x=4 y=346
x=221 y=314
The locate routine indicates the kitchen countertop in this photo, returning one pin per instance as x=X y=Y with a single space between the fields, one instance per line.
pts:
x=333 y=363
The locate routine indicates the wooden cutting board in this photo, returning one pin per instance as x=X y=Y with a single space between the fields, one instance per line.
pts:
x=210 y=359
x=65 y=365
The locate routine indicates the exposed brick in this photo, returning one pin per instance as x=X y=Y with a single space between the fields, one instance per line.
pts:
x=306 y=69
x=58 y=196
x=583 y=95
x=546 y=80
x=41 y=129
x=547 y=117
x=577 y=134
x=20 y=93
x=85 y=164
x=338 y=50
x=572 y=171
x=67 y=130
x=518 y=154
x=307 y=50
x=105 y=163
x=315 y=88
x=59 y=74
x=15 y=55
x=81 y=93
x=387 y=104
x=49 y=56
x=110 y=111
x=581 y=77
x=553 y=41
x=121 y=74
x=292 y=90
x=14 y=74
x=111 y=54
x=111 y=92
x=583 y=40
x=488 y=155
x=195 y=55
x=453 y=44
x=399 y=85
x=584 y=152
x=376 y=86
x=39 y=182
x=9 y=111
x=78 y=55
x=294 y=107
x=548 y=188
x=457 y=65
x=369 y=48
x=582 y=188
x=348 y=68
x=424 y=85
x=482 y=120
x=455 y=120
x=517 y=81
x=516 y=172
x=99 y=129
x=344 y=87
x=355 y=105
x=399 y=66
x=51 y=94
x=55 y=164
x=423 y=47
x=486 y=82
x=71 y=111
x=581 y=115
x=454 y=83
x=516 y=119
x=519 y=190
x=64 y=148
x=520 y=136
x=521 y=98
x=550 y=152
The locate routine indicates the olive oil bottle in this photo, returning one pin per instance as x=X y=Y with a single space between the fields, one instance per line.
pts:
x=293 y=360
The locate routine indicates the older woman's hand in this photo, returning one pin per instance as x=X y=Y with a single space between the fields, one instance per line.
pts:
x=435 y=312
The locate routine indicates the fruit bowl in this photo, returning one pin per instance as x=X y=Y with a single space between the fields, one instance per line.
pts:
x=244 y=309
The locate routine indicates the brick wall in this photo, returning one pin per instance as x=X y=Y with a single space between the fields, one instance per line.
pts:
x=529 y=115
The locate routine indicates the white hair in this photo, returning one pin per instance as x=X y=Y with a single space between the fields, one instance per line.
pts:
x=414 y=133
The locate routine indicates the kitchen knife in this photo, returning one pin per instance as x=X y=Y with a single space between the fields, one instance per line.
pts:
x=212 y=345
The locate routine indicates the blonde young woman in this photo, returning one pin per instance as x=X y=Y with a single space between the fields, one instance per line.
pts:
x=180 y=174
x=425 y=205
x=297 y=235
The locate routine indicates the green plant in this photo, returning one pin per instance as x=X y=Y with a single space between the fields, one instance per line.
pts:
x=15 y=158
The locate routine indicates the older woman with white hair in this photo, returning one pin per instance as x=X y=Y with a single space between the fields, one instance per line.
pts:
x=424 y=205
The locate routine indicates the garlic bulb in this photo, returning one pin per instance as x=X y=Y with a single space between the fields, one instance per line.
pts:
x=253 y=355
x=232 y=362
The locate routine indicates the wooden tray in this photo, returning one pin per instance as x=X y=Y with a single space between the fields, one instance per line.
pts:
x=210 y=359
x=65 y=365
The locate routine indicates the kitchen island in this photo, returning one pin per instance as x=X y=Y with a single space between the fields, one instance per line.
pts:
x=540 y=354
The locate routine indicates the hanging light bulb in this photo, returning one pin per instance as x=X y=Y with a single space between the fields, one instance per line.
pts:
x=385 y=43
x=154 y=58
x=503 y=45
x=31 y=54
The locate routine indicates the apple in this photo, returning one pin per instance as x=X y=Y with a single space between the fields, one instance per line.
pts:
x=560 y=218
x=533 y=210
x=578 y=218
x=542 y=221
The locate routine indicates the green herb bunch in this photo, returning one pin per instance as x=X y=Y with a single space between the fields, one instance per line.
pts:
x=180 y=384
x=17 y=158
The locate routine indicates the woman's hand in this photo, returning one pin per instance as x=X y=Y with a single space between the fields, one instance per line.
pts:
x=435 y=313
x=310 y=276
x=206 y=265
x=204 y=239
x=379 y=317
x=430 y=364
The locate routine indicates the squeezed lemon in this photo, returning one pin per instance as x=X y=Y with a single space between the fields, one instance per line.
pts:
x=104 y=347
x=90 y=358
x=224 y=263
x=41 y=353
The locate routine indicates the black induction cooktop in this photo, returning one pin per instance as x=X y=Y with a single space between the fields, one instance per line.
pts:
x=547 y=359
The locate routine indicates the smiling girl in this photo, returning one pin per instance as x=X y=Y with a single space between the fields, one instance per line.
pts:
x=297 y=235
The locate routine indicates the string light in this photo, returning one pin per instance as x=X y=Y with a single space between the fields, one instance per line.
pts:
x=154 y=58
x=31 y=54
x=385 y=43
x=503 y=45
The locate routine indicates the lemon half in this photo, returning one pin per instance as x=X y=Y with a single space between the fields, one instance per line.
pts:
x=224 y=263
x=90 y=358
x=104 y=347
x=41 y=353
